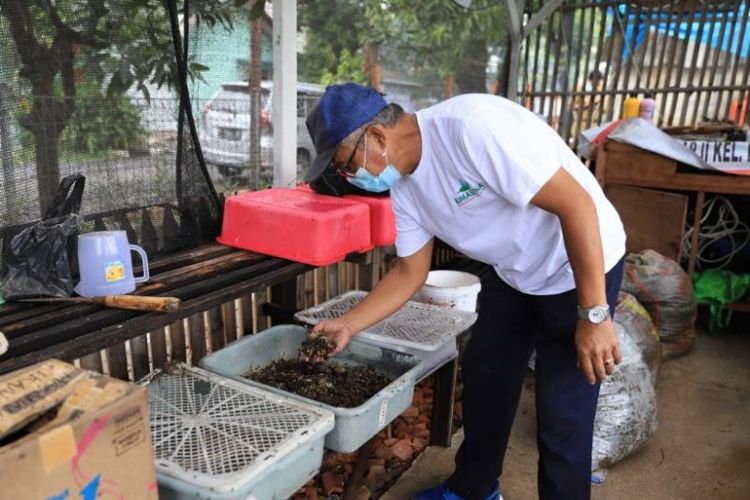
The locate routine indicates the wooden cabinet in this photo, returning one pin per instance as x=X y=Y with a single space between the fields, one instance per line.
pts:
x=650 y=192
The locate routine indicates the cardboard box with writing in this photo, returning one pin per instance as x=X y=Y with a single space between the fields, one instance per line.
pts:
x=68 y=434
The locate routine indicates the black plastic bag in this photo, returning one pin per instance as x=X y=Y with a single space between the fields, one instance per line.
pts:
x=37 y=261
x=332 y=184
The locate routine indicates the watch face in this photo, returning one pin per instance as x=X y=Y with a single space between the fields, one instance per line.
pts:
x=597 y=315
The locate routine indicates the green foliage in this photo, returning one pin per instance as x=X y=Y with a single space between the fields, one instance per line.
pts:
x=103 y=123
x=141 y=49
x=349 y=69
x=128 y=43
x=331 y=27
x=7 y=55
x=436 y=36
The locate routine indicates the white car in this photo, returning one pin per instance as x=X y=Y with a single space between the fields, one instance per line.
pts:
x=225 y=127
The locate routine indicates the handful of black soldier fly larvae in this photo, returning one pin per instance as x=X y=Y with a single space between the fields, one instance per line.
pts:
x=317 y=349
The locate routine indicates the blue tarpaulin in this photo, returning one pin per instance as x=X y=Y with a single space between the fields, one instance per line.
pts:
x=687 y=27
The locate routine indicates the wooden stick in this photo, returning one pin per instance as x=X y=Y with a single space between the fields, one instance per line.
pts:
x=130 y=302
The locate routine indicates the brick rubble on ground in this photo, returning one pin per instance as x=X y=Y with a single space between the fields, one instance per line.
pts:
x=394 y=449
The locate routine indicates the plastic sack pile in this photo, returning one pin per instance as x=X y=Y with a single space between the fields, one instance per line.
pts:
x=666 y=291
x=626 y=411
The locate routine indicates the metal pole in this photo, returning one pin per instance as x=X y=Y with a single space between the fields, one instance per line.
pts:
x=515 y=16
x=525 y=79
x=545 y=69
x=512 y=83
x=537 y=43
x=255 y=78
x=285 y=92
x=542 y=15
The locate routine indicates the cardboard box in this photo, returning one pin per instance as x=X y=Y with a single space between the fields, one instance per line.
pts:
x=70 y=434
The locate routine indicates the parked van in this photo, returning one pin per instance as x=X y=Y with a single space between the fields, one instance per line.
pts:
x=225 y=127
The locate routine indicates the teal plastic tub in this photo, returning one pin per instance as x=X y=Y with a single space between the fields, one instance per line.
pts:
x=353 y=426
x=215 y=438
x=426 y=331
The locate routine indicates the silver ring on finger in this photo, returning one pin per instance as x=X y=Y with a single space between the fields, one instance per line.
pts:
x=609 y=368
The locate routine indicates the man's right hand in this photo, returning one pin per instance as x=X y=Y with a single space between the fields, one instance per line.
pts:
x=392 y=292
x=338 y=330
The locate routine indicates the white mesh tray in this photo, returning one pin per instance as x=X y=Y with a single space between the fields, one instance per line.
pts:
x=416 y=325
x=213 y=434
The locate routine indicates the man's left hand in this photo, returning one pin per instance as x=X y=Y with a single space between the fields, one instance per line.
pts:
x=598 y=350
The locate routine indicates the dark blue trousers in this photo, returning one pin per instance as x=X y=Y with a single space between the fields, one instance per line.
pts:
x=510 y=326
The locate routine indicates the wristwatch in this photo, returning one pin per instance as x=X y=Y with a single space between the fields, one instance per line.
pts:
x=596 y=314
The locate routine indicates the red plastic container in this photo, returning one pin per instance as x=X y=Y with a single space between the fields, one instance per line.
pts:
x=382 y=220
x=297 y=225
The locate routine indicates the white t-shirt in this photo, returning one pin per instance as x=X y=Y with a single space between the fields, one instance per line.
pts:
x=483 y=159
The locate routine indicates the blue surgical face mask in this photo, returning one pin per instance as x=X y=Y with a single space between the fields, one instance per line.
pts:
x=363 y=179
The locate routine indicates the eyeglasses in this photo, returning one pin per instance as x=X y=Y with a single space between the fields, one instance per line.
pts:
x=345 y=170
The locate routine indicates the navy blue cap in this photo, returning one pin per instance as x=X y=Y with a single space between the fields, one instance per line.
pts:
x=342 y=110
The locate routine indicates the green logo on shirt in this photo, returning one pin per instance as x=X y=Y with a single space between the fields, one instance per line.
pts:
x=467 y=192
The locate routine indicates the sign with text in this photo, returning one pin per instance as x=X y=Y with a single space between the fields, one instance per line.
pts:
x=732 y=157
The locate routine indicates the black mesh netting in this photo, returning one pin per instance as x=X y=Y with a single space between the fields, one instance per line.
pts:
x=100 y=88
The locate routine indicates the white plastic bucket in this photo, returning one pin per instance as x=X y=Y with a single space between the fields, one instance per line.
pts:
x=451 y=289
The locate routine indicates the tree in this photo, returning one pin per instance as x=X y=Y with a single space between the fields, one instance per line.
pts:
x=124 y=43
x=409 y=35
x=255 y=80
x=331 y=29
x=438 y=34
x=348 y=68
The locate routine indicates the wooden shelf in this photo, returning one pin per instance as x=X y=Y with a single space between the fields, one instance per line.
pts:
x=624 y=165
x=632 y=166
